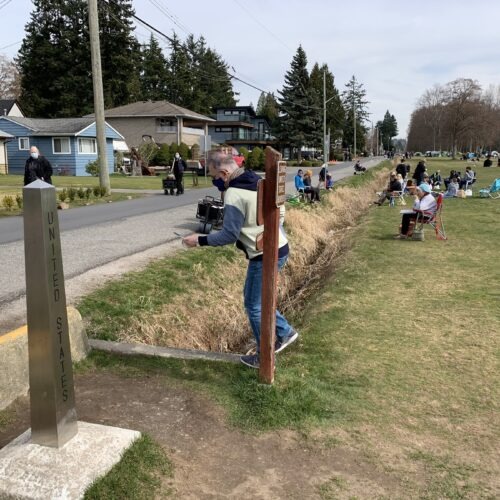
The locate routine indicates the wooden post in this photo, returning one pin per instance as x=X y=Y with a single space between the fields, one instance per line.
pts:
x=273 y=197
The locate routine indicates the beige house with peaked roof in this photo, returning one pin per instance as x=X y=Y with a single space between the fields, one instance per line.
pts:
x=165 y=122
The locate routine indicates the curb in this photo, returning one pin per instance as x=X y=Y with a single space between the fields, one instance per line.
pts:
x=160 y=352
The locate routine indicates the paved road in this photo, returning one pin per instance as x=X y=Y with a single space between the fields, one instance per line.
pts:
x=99 y=234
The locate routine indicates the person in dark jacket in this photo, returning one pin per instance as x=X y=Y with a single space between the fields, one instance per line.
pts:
x=179 y=168
x=402 y=170
x=394 y=186
x=418 y=175
x=37 y=167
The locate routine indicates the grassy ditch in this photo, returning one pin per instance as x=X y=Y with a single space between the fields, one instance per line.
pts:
x=195 y=299
x=398 y=358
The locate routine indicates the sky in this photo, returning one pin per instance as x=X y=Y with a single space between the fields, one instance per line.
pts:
x=396 y=49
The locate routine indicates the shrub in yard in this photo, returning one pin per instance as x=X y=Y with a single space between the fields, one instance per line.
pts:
x=92 y=168
x=163 y=156
x=97 y=191
x=184 y=150
x=103 y=191
x=72 y=194
x=8 y=202
x=19 y=201
x=81 y=193
x=88 y=192
x=62 y=195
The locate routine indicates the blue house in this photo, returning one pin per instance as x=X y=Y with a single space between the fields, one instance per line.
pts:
x=68 y=143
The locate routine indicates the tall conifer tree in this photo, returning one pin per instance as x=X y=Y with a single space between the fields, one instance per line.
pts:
x=298 y=116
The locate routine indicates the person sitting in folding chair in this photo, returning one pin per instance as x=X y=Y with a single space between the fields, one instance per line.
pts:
x=469 y=178
x=393 y=186
x=425 y=203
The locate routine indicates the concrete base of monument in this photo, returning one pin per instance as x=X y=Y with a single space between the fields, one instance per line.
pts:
x=30 y=471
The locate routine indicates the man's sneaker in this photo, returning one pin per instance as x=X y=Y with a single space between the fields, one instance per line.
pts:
x=252 y=360
x=282 y=342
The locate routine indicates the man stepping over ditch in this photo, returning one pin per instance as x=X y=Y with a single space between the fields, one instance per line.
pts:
x=240 y=227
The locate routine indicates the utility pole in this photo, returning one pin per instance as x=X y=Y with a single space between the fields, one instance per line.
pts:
x=371 y=147
x=100 y=124
x=376 y=128
x=354 y=117
x=326 y=138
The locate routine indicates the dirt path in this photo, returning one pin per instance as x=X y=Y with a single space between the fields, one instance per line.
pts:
x=212 y=459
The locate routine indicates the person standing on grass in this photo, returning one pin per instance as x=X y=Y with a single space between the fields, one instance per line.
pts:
x=179 y=168
x=240 y=227
x=37 y=167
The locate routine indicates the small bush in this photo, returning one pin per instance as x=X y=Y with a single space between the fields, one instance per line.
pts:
x=72 y=194
x=92 y=168
x=97 y=191
x=19 y=201
x=81 y=193
x=8 y=202
x=103 y=191
x=62 y=195
x=88 y=192
x=163 y=156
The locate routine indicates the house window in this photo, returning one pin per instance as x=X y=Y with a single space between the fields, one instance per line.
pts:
x=87 y=146
x=61 y=145
x=166 y=125
x=24 y=143
x=229 y=112
x=223 y=129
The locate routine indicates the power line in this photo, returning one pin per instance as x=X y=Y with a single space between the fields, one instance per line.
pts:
x=262 y=25
x=164 y=10
x=10 y=45
x=4 y=4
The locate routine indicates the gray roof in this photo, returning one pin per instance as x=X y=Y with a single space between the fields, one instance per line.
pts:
x=154 y=108
x=51 y=126
x=5 y=134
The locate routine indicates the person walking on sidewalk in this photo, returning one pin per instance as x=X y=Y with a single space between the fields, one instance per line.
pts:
x=179 y=168
x=240 y=227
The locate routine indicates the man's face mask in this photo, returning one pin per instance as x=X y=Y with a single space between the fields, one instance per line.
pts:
x=34 y=155
x=177 y=155
x=219 y=184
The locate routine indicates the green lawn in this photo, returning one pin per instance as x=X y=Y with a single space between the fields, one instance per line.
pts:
x=398 y=357
x=118 y=181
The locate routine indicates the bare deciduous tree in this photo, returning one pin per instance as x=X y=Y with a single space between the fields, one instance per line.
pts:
x=9 y=78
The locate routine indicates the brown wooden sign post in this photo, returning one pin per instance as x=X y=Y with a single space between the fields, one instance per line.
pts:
x=272 y=196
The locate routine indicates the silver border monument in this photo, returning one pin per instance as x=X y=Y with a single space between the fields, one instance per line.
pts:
x=52 y=395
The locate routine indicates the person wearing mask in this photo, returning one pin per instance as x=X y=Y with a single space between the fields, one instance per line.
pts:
x=453 y=187
x=37 y=167
x=425 y=203
x=179 y=168
x=240 y=228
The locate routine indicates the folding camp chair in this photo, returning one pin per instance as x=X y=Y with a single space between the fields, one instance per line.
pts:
x=434 y=219
x=397 y=197
x=492 y=192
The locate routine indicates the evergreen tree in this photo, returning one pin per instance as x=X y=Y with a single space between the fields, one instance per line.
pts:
x=120 y=53
x=268 y=106
x=178 y=80
x=298 y=116
x=353 y=100
x=388 y=129
x=55 y=64
x=154 y=72
x=334 y=108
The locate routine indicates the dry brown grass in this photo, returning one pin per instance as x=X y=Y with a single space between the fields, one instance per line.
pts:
x=213 y=318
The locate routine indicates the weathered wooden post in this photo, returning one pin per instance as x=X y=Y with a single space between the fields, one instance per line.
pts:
x=272 y=196
x=52 y=397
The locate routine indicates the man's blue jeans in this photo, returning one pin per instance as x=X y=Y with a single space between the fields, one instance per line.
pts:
x=253 y=297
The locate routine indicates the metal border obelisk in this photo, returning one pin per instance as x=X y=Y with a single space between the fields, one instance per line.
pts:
x=52 y=396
